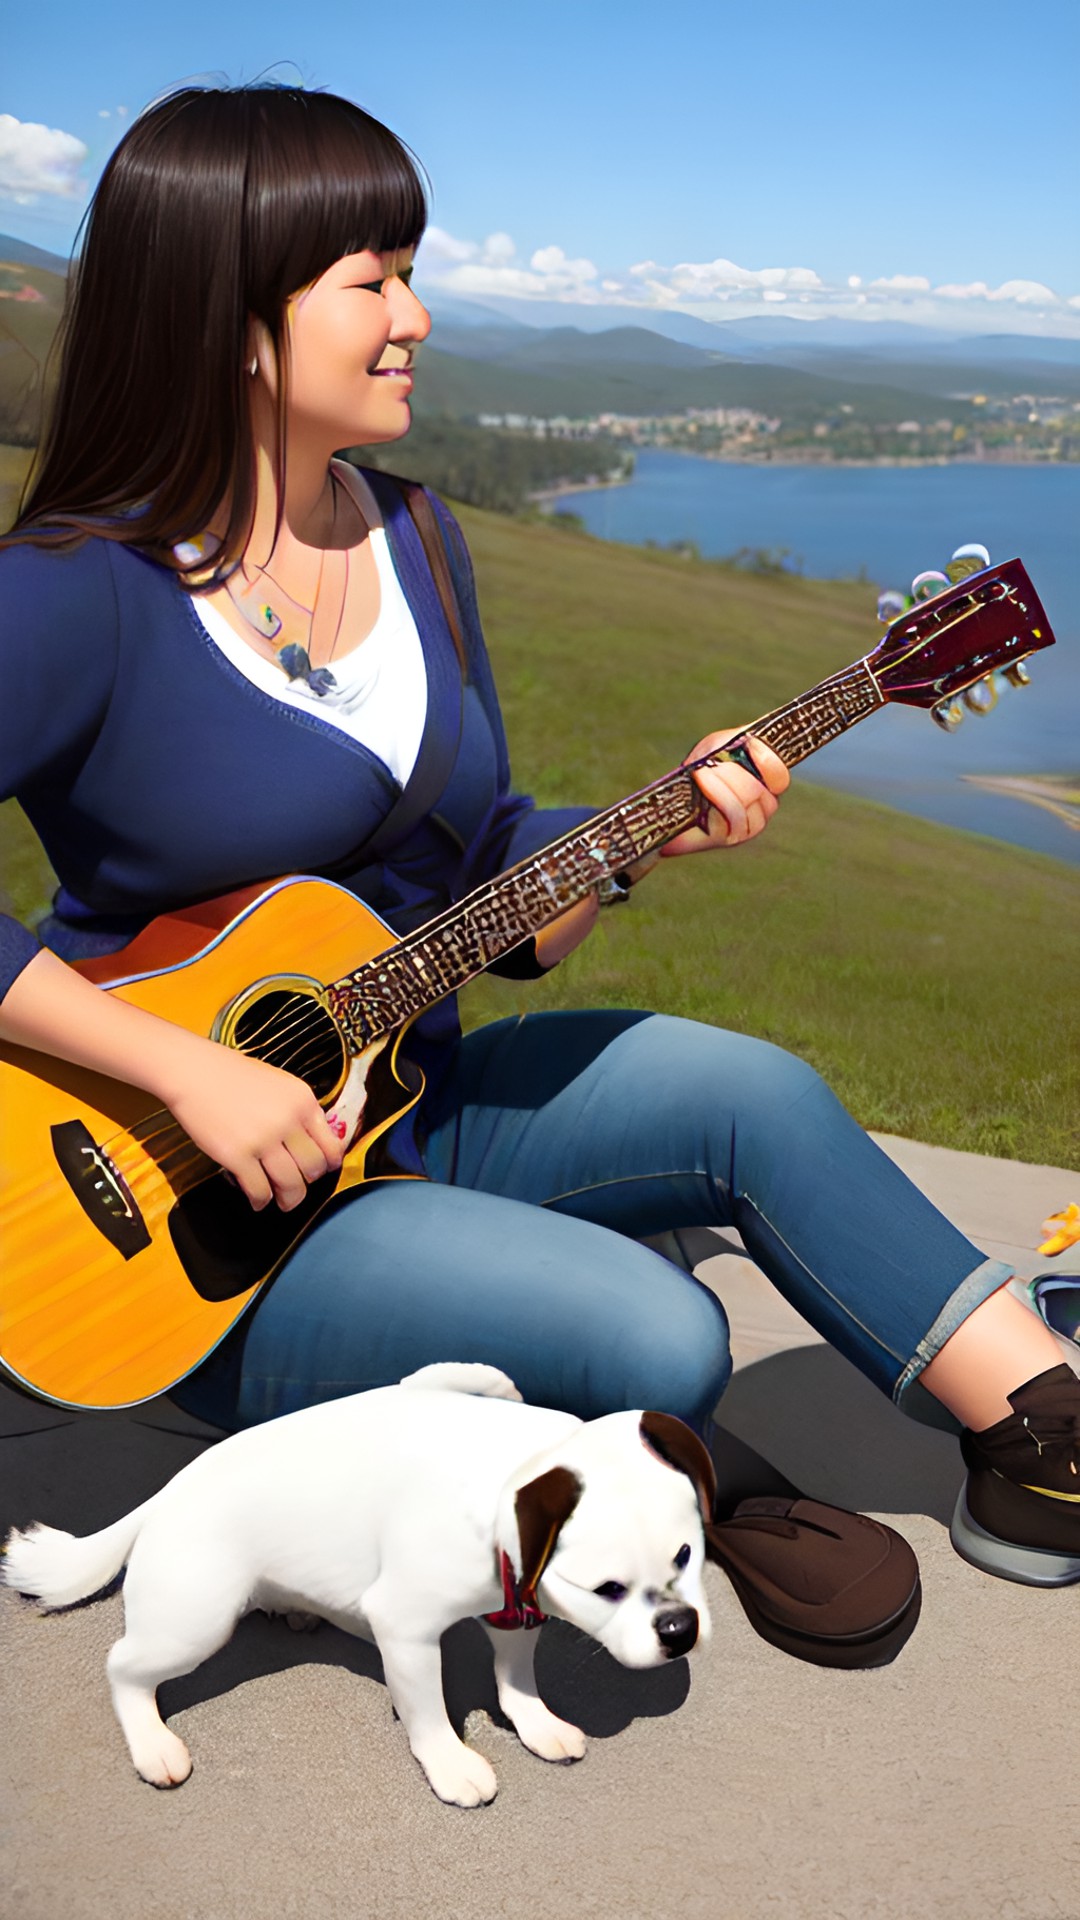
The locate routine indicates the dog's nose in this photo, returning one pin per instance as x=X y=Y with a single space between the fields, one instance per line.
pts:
x=676 y=1630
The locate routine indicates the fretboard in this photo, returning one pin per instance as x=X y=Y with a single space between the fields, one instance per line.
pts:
x=460 y=943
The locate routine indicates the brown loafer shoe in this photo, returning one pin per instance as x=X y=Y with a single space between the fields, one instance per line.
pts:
x=825 y=1585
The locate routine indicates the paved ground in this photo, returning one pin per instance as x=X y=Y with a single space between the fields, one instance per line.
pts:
x=741 y=1786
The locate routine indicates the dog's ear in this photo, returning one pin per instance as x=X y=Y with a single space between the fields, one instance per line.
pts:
x=543 y=1506
x=678 y=1446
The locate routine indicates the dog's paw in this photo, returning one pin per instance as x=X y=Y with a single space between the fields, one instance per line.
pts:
x=545 y=1734
x=459 y=1776
x=294 y=1618
x=162 y=1759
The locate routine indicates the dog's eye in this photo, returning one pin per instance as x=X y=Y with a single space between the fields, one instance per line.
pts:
x=682 y=1558
x=612 y=1590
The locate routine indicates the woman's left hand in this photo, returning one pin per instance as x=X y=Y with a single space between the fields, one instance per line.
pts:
x=739 y=806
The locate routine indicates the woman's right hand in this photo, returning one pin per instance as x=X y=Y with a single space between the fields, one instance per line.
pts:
x=263 y=1126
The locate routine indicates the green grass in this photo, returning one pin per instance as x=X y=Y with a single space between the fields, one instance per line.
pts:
x=14 y=467
x=930 y=975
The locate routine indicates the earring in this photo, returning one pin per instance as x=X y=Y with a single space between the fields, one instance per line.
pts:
x=254 y=367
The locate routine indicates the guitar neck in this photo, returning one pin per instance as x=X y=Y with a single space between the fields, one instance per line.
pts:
x=448 y=952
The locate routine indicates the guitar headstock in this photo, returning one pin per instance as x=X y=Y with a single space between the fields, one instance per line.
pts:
x=963 y=632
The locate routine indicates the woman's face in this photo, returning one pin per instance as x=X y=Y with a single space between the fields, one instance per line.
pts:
x=351 y=340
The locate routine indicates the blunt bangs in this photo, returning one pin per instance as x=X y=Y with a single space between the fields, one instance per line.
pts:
x=324 y=180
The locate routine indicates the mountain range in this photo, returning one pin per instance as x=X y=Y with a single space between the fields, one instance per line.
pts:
x=546 y=358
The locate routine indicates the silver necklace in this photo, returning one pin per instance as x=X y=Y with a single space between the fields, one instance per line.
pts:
x=264 y=619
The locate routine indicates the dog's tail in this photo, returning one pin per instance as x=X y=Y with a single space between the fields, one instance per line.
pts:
x=464 y=1376
x=58 y=1568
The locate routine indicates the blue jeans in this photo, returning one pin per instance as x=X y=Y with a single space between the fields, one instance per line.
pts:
x=556 y=1141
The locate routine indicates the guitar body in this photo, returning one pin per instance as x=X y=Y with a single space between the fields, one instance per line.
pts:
x=126 y=1255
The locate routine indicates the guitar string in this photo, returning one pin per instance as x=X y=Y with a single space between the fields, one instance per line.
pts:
x=768 y=728
x=310 y=1016
x=151 y=1168
x=154 y=1158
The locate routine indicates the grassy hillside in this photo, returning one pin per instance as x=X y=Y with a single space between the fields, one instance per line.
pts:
x=29 y=314
x=930 y=975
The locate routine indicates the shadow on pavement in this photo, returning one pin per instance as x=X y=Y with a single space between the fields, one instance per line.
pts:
x=807 y=1410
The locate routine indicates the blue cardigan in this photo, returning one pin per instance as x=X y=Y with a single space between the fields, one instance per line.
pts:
x=156 y=774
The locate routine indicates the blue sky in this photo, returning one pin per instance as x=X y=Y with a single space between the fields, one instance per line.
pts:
x=914 y=161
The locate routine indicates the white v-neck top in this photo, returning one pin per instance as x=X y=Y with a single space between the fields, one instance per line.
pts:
x=380 y=691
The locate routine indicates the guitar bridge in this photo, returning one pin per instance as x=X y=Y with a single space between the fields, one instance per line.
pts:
x=100 y=1190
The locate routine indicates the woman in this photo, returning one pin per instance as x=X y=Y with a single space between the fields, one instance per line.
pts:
x=232 y=662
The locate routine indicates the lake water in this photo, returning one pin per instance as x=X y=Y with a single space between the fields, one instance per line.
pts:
x=895 y=522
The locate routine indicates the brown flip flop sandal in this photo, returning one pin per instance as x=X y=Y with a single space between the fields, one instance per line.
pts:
x=823 y=1584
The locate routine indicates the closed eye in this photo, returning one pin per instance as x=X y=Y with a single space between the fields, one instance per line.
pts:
x=376 y=286
x=682 y=1558
x=612 y=1590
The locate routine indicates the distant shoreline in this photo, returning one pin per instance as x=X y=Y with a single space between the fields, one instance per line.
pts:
x=811 y=458
x=790 y=459
x=1058 y=794
x=546 y=494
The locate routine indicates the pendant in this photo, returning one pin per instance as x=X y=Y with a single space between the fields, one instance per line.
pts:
x=297 y=665
x=258 y=613
x=264 y=620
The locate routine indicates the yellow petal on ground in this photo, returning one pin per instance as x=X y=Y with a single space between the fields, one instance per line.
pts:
x=1063 y=1229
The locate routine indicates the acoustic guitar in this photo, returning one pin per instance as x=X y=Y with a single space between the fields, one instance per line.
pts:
x=126 y=1253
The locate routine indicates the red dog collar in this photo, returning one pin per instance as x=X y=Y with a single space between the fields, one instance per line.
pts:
x=519 y=1608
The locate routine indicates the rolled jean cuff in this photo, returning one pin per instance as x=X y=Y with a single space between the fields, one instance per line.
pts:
x=909 y=1394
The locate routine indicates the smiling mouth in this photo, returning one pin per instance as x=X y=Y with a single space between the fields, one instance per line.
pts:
x=393 y=373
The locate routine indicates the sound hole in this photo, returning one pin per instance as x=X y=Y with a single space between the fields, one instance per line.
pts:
x=223 y=1245
x=291 y=1030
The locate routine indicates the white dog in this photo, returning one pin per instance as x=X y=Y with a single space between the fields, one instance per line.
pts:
x=393 y=1514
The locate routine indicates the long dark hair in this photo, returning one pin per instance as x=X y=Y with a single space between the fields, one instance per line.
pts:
x=217 y=206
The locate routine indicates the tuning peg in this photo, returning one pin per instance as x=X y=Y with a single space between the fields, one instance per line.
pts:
x=1017 y=674
x=966 y=561
x=982 y=697
x=891 y=604
x=927 y=586
x=948 y=714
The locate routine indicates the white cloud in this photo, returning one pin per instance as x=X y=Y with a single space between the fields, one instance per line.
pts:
x=498 y=250
x=1026 y=293
x=463 y=266
x=36 y=159
x=554 y=265
x=711 y=279
x=438 y=247
x=104 y=114
x=1029 y=293
x=722 y=289
x=900 y=283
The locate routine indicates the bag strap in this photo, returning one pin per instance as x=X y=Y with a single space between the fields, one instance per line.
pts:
x=433 y=765
x=433 y=541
